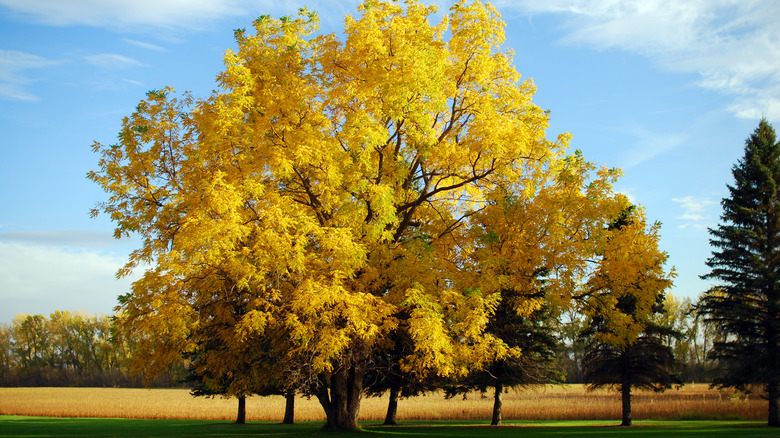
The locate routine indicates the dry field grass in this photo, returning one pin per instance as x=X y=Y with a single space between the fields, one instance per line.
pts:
x=562 y=402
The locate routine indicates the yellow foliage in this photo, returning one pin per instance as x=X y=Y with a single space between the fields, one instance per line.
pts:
x=630 y=267
x=327 y=193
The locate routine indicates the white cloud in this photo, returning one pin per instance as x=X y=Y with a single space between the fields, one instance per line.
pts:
x=40 y=279
x=144 y=45
x=734 y=45
x=112 y=61
x=123 y=13
x=14 y=73
x=133 y=82
x=181 y=14
x=695 y=211
x=15 y=92
x=71 y=238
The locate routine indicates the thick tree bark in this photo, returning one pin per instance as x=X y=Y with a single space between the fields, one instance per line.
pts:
x=241 y=417
x=392 y=407
x=626 y=396
x=497 y=404
x=340 y=394
x=289 y=407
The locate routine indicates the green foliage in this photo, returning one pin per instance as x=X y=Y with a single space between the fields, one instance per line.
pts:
x=533 y=336
x=645 y=364
x=745 y=262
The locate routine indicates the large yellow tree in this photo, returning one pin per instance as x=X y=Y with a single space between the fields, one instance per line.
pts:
x=328 y=181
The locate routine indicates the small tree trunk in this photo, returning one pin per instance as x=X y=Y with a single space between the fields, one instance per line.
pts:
x=241 y=417
x=392 y=406
x=289 y=407
x=626 y=396
x=497 y=404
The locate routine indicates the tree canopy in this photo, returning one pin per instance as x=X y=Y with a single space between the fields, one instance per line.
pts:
x=334 y=188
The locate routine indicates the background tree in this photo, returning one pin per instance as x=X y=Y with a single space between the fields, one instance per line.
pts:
x=231 y=362
x=745 y=304
x=569 y=328
x=7 y=357
x=695 y=338
x=32 y=346
x=535 y=364
x=702 y=334
x=331 y=181
x=532 y=246
x=65 y=349
x=388 y=376
x=626 y=348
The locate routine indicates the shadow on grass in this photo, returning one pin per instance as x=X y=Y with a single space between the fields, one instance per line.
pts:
x=18 y=426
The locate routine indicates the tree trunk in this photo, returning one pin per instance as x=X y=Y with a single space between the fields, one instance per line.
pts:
x=392 y=406
x=289 y=407
x=241 y=417
x=339 y=395
x=773 y=385
x=774 y=404
x=497 y=404
x=626 y=396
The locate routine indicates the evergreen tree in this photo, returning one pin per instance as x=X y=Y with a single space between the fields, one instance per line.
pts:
x=228 y=361
x=645 y=363
x=533 y=335
x=388 y=376
x=626 y=347
x=745 y=305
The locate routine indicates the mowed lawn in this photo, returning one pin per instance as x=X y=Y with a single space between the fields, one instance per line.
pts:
x=560 y=410
x=21 y=426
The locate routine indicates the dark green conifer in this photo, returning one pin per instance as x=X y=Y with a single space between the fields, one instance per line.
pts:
x=647 y=363
x=745 y=262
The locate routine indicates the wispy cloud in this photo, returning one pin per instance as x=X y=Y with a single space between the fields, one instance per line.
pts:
x=124 y=14
x=733 y=45
x=133 y=82
x=648 y=145
x=144 y=45
x=695 y=212
x=15 y=73
x=69 y=238
x=176 y=14
x=112 y=61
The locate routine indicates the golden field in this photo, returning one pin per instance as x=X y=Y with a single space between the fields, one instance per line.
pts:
x=563 y=402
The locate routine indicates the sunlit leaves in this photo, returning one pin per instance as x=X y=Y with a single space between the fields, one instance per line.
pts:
x=337 y=188
x=629 y=281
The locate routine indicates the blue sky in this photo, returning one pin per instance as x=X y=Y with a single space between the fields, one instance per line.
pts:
x=666 y=90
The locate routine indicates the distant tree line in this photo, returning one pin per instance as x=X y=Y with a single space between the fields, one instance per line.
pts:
x=70 y=349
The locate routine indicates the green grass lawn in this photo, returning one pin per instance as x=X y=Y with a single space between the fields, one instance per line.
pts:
x=19 y=426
